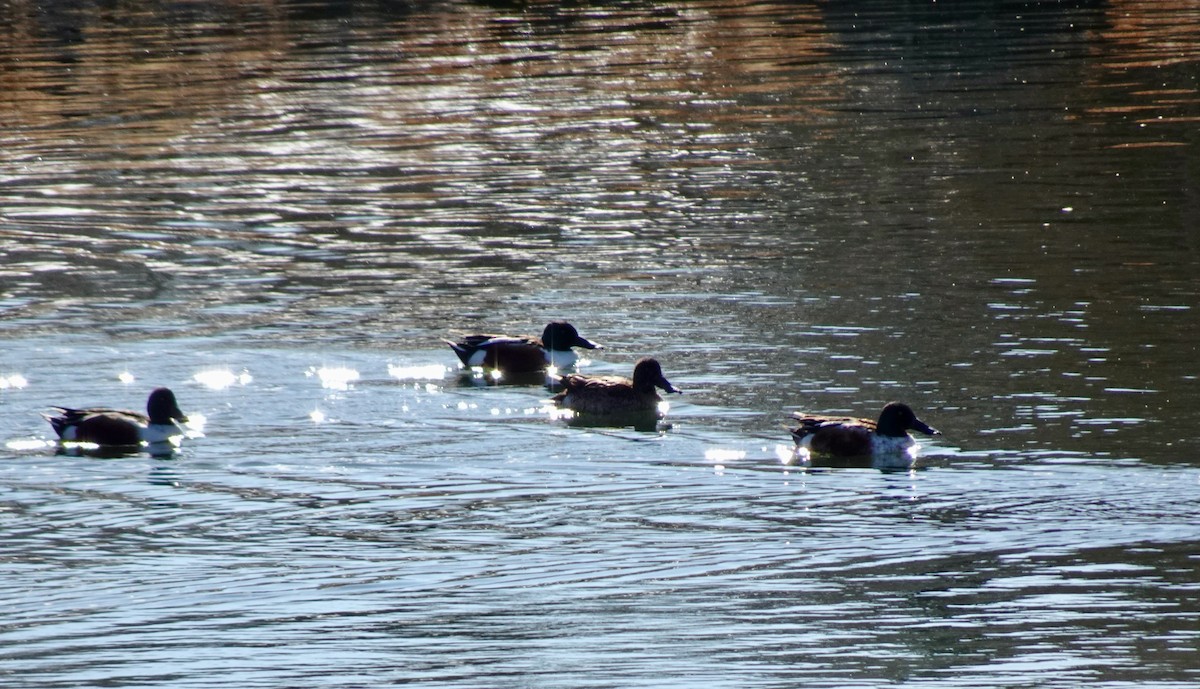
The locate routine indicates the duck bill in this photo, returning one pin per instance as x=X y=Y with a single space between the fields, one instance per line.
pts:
x=666 y=385
x=587 y=344
x=919 y=425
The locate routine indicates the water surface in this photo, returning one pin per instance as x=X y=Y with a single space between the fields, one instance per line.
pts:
x=279 y=209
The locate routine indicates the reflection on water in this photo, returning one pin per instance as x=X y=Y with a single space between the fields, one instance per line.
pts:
x=222 y=378
x=986 y=209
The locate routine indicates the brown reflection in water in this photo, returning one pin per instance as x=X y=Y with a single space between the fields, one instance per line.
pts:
x=1133 y=52
x=487 y=132
x=150 y=60
x=1151 y=33
x=138 y=67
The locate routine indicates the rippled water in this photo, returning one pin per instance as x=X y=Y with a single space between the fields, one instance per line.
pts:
x=279 y=209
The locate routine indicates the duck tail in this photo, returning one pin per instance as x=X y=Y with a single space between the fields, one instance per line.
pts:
x=804 y=427
x=464 y=354
x=60 y=419
x=798 y=433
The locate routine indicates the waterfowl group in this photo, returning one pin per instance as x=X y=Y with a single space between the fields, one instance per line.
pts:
x=617 y=397
x=605 y=397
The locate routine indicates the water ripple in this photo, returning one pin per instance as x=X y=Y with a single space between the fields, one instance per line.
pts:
x=824 y=207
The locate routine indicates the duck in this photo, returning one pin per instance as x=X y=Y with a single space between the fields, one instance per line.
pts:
x=616 y=395
x=120 y=427
x=523 y=354
x=841 y=436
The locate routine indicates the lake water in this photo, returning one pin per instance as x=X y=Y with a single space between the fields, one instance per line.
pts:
x=990 y=210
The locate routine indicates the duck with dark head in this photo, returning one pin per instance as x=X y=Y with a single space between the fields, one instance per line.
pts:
x=607 y=398
x=523 y=354
x=841 y=436
x=108 y=427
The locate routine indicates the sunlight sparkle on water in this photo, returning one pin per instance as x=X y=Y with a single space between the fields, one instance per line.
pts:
x=714 y=454
x=334 y=378
x=29 y=444
x=789 y=454
x=317 y=416
x=194 y=428
x=14 y=381
x=558 y=413
x=125 y=377
x=222 y=378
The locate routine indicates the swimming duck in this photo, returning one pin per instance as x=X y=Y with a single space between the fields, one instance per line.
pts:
x=609 y=395
x=851 y=437
x=523 y=354
x=119 y=427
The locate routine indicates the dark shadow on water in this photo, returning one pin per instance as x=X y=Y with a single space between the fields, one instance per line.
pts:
x=643 y=422
x=159 y=450
x=888 y=463
x=470 y=378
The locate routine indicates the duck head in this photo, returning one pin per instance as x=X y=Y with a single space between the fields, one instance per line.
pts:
x=897 y=419
x=162 y=407
x=648 y=374
x=560 y=336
